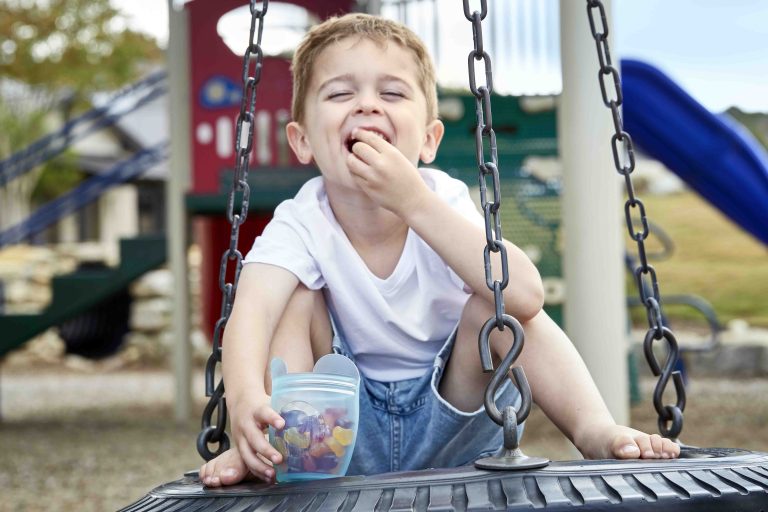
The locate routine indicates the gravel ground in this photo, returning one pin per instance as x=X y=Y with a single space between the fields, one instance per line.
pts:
x=74 y=441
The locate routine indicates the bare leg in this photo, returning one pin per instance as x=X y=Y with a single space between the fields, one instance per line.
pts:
x=302 y=336
x=464 y=382
x=563 y=388
x=559 y=380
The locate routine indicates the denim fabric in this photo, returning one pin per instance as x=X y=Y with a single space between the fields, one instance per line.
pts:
x=407 y=425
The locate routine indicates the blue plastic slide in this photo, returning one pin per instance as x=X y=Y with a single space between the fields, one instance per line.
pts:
x=711 y=153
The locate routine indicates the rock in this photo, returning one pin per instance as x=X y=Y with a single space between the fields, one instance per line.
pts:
x=151 y=314
x=157 y=283
x=19 y=291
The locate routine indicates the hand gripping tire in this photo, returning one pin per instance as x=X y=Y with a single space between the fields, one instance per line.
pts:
x=720 y=479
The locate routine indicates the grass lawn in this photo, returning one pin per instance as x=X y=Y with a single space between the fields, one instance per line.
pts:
x=712 y=258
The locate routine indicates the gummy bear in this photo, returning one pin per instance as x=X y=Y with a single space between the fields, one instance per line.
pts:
x=294 y=437
x=315 y=427
x=343 y=435
x=331 y=415
x=344 y=423
x=295 y=464
x=280 y=447
x=326 y=462
x=335 y=446
x=294 y=413
x=319 y=449
x=309 y=463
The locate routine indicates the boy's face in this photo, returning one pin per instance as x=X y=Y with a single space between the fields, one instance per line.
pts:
x=359 y=84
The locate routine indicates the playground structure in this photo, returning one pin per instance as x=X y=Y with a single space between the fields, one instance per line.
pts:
x=527 y=126
x=208 y=197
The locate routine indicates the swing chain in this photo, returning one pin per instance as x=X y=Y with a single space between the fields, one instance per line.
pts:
x=644 y=274
x=252 y=64
x=489 y=170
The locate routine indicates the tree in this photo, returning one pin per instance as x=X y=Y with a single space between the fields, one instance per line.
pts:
x=58 y=52
x=80 y=44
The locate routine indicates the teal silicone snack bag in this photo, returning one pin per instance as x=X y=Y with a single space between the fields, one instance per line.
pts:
x=321 y=412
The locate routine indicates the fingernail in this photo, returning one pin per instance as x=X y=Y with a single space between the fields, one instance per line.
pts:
x=268 y=473
x=275 y=458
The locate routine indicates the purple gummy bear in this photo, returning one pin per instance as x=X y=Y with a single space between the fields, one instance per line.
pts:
x=326 y=462
x=294 y=451
x=316 y=428
x=345 y=423
x=295 y=464
x=293 y=418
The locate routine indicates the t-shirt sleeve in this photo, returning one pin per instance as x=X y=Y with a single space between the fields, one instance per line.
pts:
x=456 y=194
x=286 y=243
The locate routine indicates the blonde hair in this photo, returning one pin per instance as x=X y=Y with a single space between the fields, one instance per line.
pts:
x=377 y=29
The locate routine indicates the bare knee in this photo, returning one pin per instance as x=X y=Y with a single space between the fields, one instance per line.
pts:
x=477 y=312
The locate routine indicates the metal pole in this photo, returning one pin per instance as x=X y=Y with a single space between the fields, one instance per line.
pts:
x=177 y=222
x=595 y=311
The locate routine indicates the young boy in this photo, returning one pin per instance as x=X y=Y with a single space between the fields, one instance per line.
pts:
x=384 y=260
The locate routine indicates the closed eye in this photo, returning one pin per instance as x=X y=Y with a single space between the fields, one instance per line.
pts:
x=393 y=94
x=339 y=95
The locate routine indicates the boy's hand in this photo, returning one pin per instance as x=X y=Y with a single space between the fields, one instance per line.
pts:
x=250 y=419
x=384 y=173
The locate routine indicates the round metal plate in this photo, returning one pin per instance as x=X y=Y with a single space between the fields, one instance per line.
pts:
x=511 y=463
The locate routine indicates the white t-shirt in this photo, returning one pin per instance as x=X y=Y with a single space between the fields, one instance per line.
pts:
x=394 y=326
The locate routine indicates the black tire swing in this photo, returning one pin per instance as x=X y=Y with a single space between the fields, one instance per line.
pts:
x=701 y=479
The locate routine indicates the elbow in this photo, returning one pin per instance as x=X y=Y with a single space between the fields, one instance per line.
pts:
x=525 y=304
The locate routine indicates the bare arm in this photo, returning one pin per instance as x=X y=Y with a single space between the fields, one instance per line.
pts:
x=460 y=243
x=262 y=294
x=393 y=182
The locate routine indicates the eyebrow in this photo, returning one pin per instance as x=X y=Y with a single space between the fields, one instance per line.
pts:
x=350 y=78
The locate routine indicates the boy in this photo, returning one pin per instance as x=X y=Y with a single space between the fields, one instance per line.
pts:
x=384 y=260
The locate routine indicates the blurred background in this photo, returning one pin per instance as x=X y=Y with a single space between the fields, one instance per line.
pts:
x=101 y=114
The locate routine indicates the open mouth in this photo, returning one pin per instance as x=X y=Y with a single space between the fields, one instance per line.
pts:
x=351 y=140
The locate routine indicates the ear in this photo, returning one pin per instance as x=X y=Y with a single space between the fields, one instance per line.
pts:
x=433 y=136
x=297 y=139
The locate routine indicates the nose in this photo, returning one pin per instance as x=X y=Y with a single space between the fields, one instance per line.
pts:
x=368 y=103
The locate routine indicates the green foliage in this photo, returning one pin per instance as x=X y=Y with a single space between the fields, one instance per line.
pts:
x=59 y=175
x=78 y=44
x=18 y=127
x=62 y=49
x=755 y=122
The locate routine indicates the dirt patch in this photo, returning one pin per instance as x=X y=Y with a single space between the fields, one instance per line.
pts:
x=97 y=442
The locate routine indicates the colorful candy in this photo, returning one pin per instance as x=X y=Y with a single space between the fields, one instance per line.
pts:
x=296 y=438
x=312 y=441
x=343 y=435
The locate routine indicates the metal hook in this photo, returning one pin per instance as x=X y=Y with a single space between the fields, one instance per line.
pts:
x=501 y=373
x=673 y=413
x=511 y=457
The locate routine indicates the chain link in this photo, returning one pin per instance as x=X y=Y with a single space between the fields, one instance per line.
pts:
x=488 y=166
x=645 y=275
x=232 y=259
